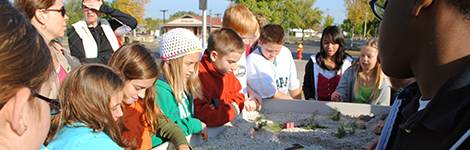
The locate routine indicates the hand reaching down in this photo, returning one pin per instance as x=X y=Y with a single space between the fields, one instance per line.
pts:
x=204 y=133
x=336 y=97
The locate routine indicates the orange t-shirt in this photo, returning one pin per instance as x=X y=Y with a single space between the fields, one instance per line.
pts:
x=136 y=134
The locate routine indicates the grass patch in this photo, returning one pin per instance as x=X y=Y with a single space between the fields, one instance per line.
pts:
x=335 y=114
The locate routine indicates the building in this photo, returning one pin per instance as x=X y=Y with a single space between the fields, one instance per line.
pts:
x=192 y=23
x=307 y=32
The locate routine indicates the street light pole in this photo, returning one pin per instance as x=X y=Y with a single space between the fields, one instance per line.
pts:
x=210 y=14
x=365 y=26
x=164 y=14
x=163 y=19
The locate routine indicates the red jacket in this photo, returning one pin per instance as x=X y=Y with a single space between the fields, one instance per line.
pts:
x=224 y=88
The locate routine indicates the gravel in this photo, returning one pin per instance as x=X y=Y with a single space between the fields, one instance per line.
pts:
x=237 y=135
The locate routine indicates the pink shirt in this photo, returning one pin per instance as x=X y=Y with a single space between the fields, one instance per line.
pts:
x=62 y=74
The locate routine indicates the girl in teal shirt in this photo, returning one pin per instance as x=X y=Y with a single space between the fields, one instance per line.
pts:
x=179 y=82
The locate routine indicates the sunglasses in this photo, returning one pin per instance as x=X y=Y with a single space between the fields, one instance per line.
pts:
x=377 y=8
x=61 y=10
x=54 y=104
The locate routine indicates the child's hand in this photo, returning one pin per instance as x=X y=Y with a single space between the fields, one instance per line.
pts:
x=250 y=104
x=204 y=133
x=373 y=144
x=236 y=107
x=183 y=147
x=336 y=97
x=212 y=106
x=253 y=95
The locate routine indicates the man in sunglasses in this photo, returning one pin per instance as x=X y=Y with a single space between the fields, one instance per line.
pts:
x=93 y=40
x=428 y=40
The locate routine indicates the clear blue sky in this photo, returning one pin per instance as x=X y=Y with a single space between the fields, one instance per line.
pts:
x=153 y=8
x=337 y=9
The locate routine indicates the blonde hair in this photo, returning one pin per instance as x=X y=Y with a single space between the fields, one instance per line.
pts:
x=261 y=19
x=172 y=70
x=379 y=75
x=86 y=94
x=135 y=61
x=240 y=19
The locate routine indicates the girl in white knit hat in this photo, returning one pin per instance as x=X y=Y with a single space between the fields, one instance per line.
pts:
x=179 y=83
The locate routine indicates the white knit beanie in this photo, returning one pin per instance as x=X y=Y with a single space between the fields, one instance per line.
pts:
x=177 y=43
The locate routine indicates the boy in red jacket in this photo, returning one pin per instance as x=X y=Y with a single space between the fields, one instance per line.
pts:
x=221 y=101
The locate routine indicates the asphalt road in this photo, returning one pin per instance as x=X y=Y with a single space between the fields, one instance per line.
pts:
x=309 y=48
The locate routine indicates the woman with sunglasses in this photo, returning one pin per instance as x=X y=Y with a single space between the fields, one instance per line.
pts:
x=92 y=96
x=26 y=65
x=93 y=40
x=48 y=16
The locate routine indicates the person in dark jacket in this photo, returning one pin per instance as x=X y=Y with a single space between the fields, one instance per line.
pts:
x=428 y=40
x=93 y=40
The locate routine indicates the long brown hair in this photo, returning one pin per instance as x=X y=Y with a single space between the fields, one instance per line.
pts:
x=135 y=61
x=29 y=7
x=172 y=70
x=86 y=93
x=25 y=60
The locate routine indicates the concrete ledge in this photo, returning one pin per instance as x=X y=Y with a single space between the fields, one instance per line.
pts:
x=308 y=106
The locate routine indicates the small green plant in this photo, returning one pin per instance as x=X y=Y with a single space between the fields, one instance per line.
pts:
x=335 y=115
x=314 y=115
x=353 y=128
x=259 y=119
x=312 y=124
x=276 y=127
x=260 y=123
x=341 y=130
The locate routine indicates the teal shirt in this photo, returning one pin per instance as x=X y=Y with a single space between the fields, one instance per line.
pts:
x=181 y=114
x=363 y=95
x=77 y=138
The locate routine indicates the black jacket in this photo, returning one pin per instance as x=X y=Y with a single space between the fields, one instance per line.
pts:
x=104 y=47
x=444 y=120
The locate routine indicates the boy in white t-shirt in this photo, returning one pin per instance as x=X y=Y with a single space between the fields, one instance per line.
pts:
x=271 y=70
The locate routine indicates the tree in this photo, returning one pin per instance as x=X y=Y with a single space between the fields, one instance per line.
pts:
x=287 y=13
x=306 y=16
x=152 y=24
x=356 y=11
x=74 y=11
x=134 y=8
x=328 y=21
x=181 y=13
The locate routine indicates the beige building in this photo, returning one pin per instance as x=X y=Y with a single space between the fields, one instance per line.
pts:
x=192 y=23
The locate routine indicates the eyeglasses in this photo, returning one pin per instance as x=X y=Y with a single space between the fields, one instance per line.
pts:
x=247 y=39
x=54 y=104
x=377 y=8
x=61 y=10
